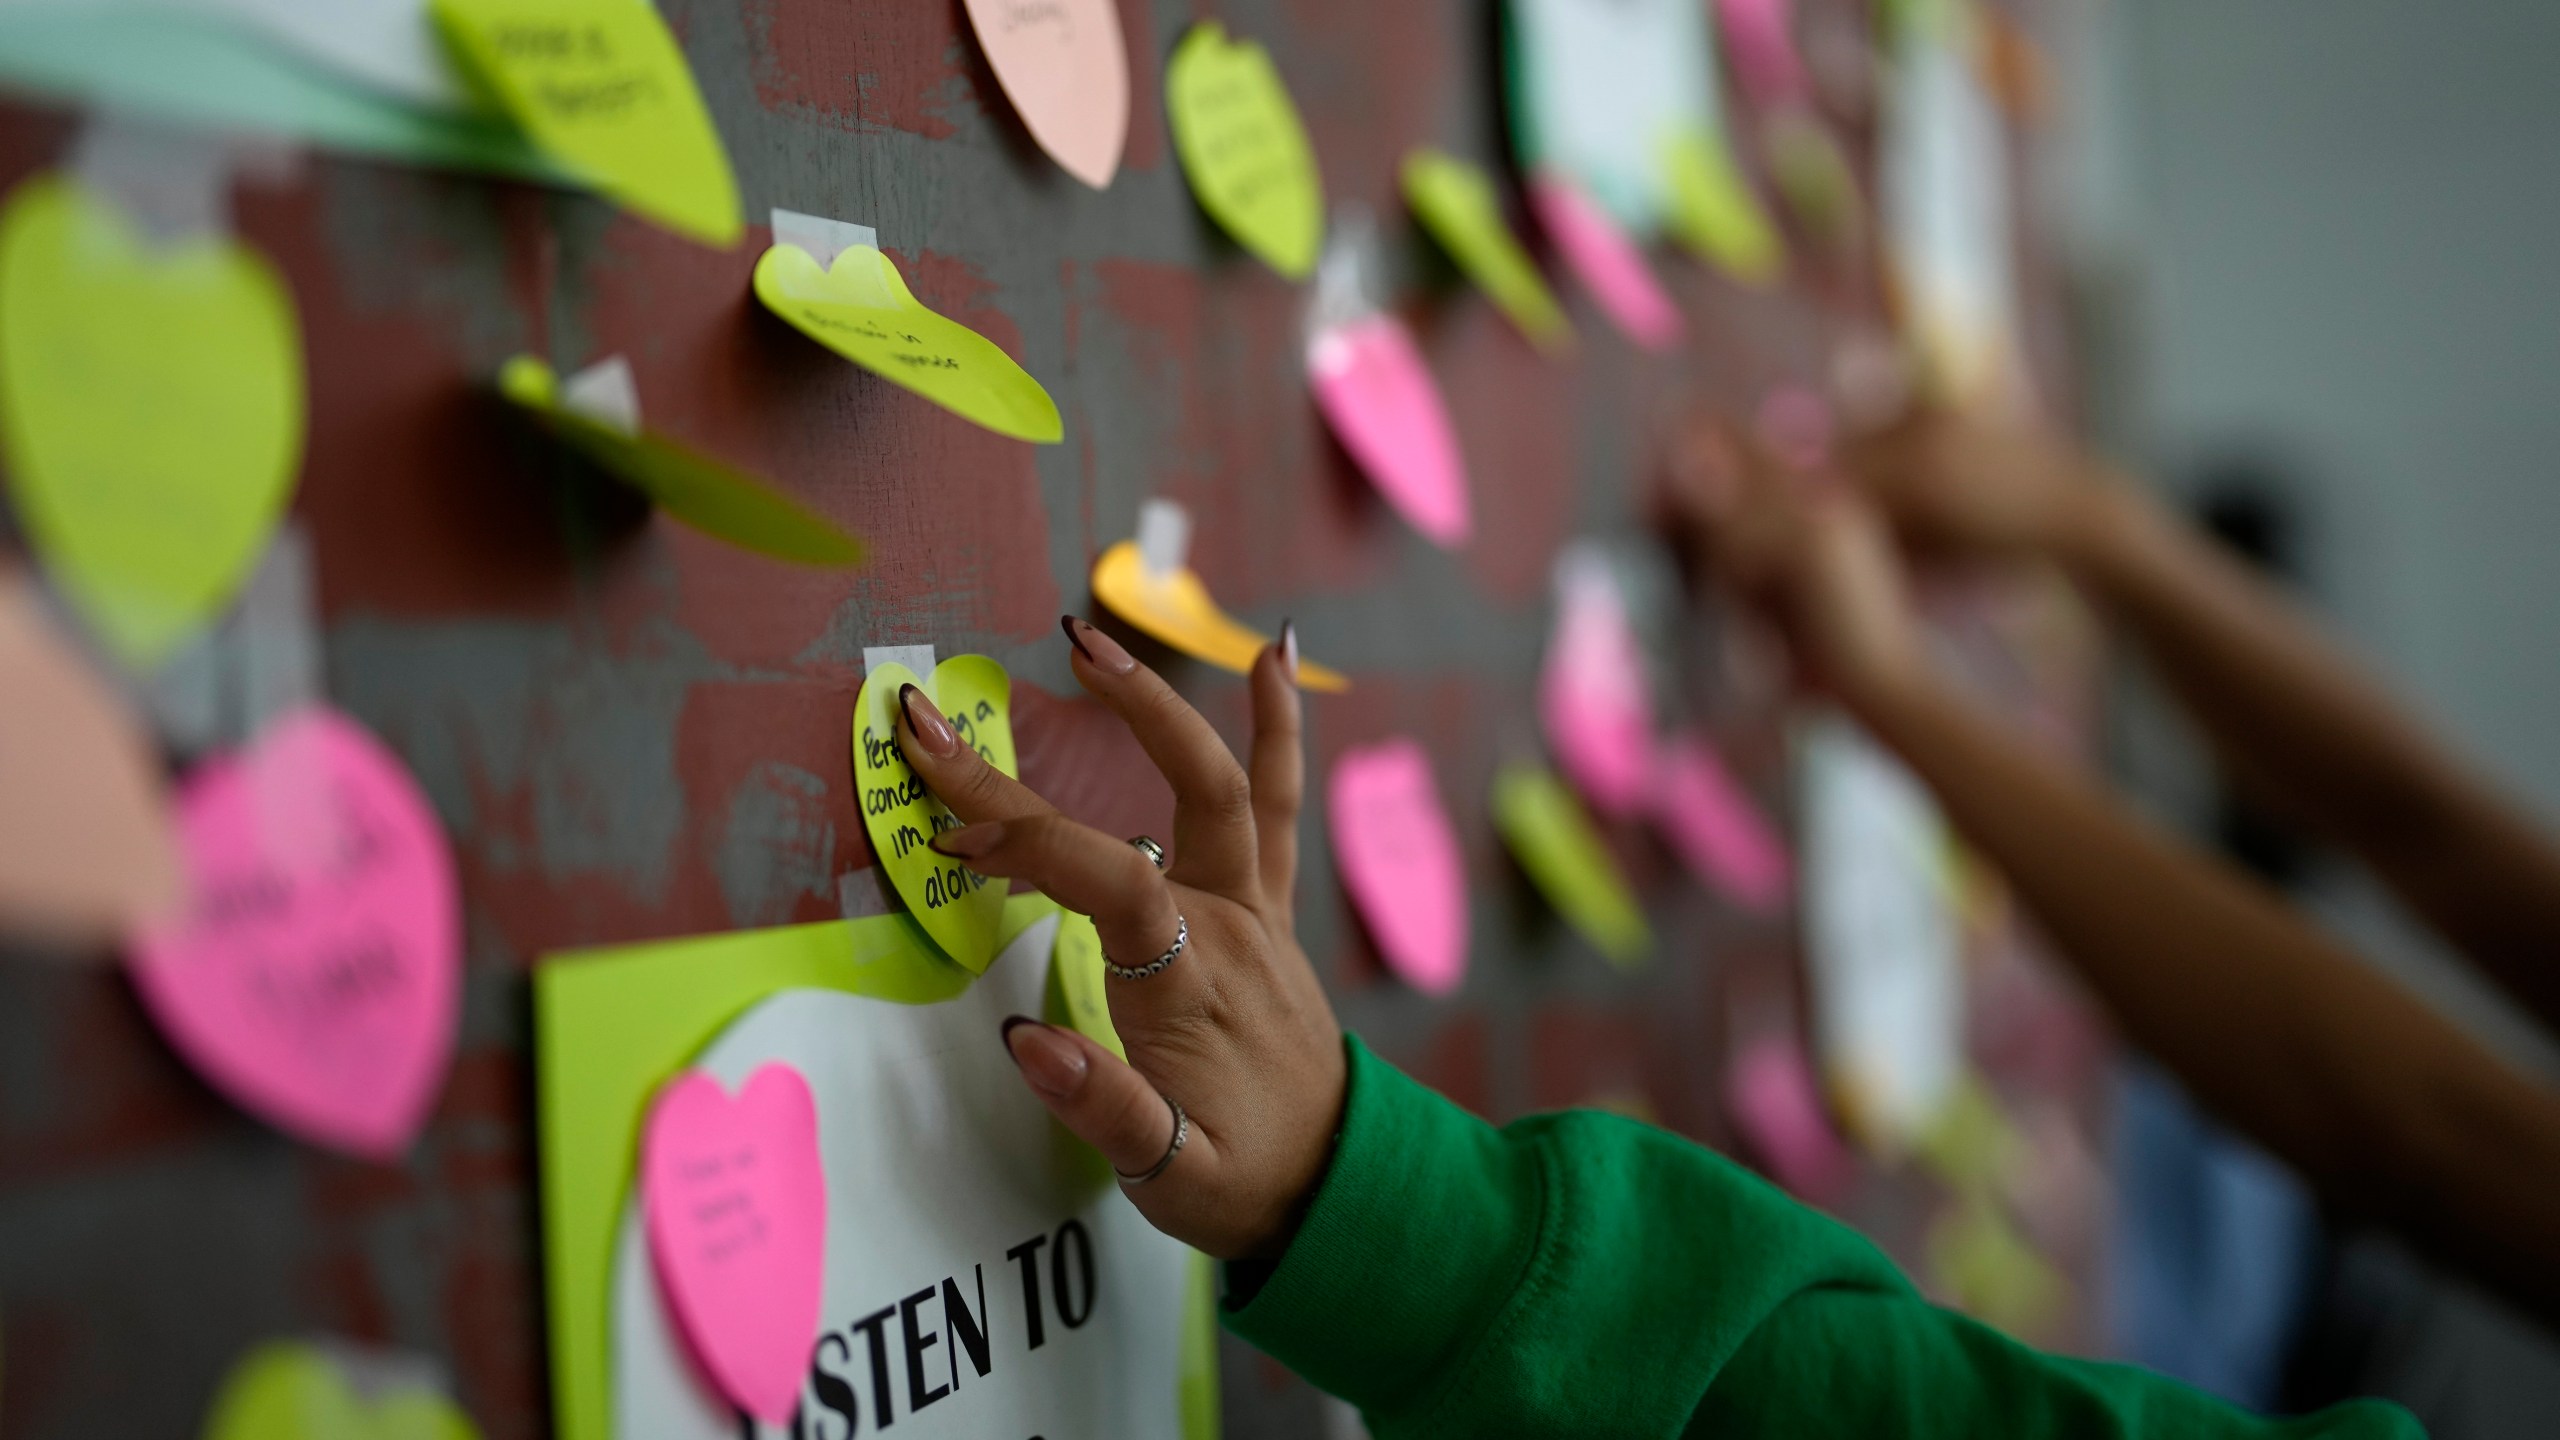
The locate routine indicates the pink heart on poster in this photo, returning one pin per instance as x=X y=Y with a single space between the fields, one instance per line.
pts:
x=1759 y=36
x=1719 y=834
x=1066 y=69
x=1593 y=697
x=313 y=971
x=1609 y=264
x=736 y=1205
x=1776 y=1105
x=1386 y=409
x=1400 y=861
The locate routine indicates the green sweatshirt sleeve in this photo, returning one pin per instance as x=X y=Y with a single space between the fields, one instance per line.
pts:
x=1580 y=1274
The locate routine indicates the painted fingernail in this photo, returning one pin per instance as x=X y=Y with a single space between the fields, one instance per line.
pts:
x=1049 y=1060
x=1289 y=650
x=1101 y=649
x=969 y=841
x=923 y=717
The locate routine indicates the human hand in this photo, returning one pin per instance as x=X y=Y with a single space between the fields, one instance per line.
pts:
x=1801 y=548
x=1236 y=1028
x=1980 y=489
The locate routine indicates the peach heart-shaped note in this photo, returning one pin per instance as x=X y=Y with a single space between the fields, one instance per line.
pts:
x=1400 y=861
x=1066 y=69
x=312 y=972
x=736 y=1202
x=1381 y=401
x=1593 y=694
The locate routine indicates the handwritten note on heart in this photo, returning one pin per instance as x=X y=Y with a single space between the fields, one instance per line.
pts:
x=313 y=971
x=151 y=411
x=1593 y=694
x=603 y=88
x=1400 y=861
x=1066 y=69
x=961 y=909
x=1551 y=835
x=1383 y=405
x=736 y=1207
x=694 y=488
x=296 y=1391
x=1244 y=149
x=1608 y=262
x=1176 y=608
x=861 y=308
x=87 y=849
x=1718 y=832
x=1455 y=202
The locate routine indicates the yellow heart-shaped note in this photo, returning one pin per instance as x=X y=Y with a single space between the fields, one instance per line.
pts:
x=1552 y=837
x=1244 y=148
x=1076 y=982
x=860 y=308
x=297 y=1392
x=691 y=486
x=151 y=409
x=603 y=88
x=962 y=910
x=1177 y=609
x=1715 y=214
x=1455 y=202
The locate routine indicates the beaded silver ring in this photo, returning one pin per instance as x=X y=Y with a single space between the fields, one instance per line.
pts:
x=1155 y=967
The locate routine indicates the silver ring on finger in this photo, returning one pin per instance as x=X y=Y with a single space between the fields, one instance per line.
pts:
x=1181 y=1134
x=1146 y=845
x=1157 y=966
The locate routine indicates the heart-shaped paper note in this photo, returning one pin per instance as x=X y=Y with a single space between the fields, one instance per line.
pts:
x=1716 y=829
x=1244 y=149
x=1608 y=261
x=1593 y=694
x=1075 y=971
x=1455 y=202
x=692 y=487
x=1379 y=397
x=1177 y=609
x=1760 y=40
x=1400 y=861
x=1714 y=212
x=603 y=88
x=151 y=411
x=1776 y=1104
x=736 y=1204
x=961 y=909
x=313 y=971
x=1066 y=69
x=295 y=1391
x=1551 y=836
x=860 y=308
x=87 y=850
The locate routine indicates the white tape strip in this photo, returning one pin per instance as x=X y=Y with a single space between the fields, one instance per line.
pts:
x=606 y=393
x=1164 y=538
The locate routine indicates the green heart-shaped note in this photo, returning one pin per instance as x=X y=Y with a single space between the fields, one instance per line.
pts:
x=1455 y=201
x=694 y=488
x=1076 y=997
x=860 y=308
x=961 y=909
x=296 y=1392
x=1244 y=149
x=151 y=410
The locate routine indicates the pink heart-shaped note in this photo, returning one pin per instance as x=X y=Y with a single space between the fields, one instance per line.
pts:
x=1777 y=1106
x=1608 y=262
x=1593 y=697
x=1066 y=69
x=736 y=1202
x=1719 y=833
x=1759 y=36
x=1382 y=402
x=314 y=969
x=1400 y=861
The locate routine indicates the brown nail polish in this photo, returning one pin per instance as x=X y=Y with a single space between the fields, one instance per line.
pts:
x=1103 y=652
x=968 y=842
x=1047 y=1059
x=1289 y=650
x=1068 y=623
x=932 y=731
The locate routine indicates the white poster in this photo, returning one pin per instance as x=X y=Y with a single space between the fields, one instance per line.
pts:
x=985 y=1277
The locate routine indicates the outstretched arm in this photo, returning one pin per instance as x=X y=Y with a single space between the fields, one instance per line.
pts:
x=2385 y=1107
x=2292 y=718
